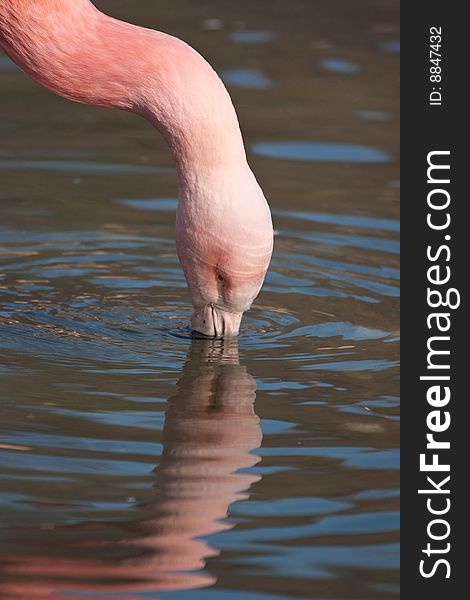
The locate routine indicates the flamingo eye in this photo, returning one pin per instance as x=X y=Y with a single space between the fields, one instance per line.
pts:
x=220 y=277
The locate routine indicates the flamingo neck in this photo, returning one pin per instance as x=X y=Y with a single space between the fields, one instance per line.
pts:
x=78 y=52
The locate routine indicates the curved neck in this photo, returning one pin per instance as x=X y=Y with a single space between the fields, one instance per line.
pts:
x=79 y=53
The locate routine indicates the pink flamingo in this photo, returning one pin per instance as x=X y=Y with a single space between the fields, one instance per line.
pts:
x=224 y=234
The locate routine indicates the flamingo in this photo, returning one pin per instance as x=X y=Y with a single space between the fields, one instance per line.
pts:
x=224 y=234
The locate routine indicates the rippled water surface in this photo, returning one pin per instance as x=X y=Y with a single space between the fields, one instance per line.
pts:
x=136 y=462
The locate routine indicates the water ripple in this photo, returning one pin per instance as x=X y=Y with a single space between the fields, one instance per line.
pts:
x=246 y=77
x=252 y=37
x=79 y=167
x=340 y=65
x=321 y=151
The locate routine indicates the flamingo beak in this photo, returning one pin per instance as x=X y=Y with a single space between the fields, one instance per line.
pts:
x=215 y=322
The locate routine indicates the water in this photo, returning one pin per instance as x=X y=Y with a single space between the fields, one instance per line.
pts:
x=136 y=462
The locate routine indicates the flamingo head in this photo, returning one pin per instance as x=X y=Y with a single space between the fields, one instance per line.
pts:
x=224 y=239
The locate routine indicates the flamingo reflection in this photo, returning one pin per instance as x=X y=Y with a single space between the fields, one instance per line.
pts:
x=210 y=430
